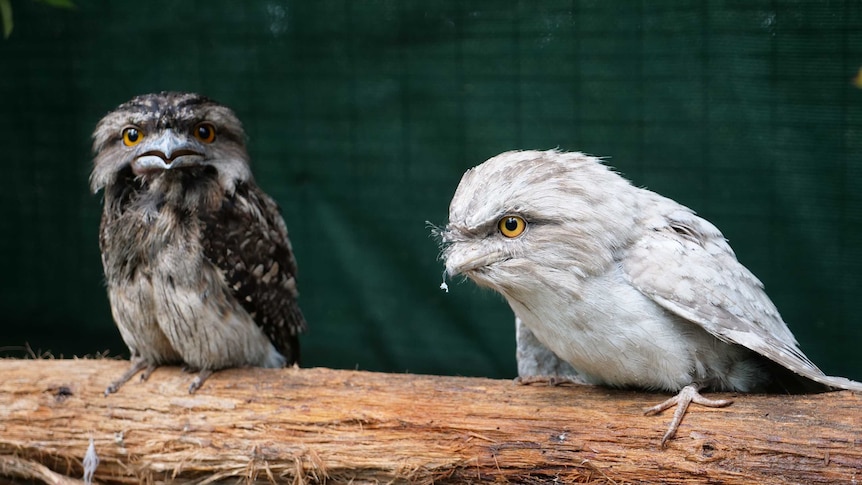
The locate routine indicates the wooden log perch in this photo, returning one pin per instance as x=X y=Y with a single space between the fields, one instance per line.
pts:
x=335 y=426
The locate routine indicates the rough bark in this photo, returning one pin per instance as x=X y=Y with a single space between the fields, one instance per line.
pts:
x=316 y=425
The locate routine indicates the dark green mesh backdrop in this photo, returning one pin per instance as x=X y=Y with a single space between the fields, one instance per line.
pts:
x=362 y=116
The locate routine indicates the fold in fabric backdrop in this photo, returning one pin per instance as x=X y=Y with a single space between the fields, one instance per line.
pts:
x=362 y=118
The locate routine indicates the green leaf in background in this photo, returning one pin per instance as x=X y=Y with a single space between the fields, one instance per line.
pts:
x=6 y=14
x=57 y=3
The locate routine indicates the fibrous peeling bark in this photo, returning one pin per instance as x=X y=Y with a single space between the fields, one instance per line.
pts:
x=333 y=426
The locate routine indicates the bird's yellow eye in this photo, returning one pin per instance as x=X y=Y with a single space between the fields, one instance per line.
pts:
x=132 y=136
x=512 y=226
x=205 y=132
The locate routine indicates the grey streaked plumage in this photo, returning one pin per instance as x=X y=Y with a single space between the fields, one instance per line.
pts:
x=628 y=287
x=197 y=261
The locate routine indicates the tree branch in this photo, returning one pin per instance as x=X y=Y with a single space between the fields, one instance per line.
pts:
x=311 y=425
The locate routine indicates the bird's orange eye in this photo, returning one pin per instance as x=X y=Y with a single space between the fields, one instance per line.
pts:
x=512 y=226
x=132 y=136
x=205 y=132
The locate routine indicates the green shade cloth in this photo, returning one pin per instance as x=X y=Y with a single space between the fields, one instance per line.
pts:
x=362 y=116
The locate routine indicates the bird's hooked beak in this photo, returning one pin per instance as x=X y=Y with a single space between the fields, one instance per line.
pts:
x=463 y=255
x=166 y=151
x=465 y=258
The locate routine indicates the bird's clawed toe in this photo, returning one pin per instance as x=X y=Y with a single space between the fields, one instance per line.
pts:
x=687 y=395
x=199 y=380
x=137 y=366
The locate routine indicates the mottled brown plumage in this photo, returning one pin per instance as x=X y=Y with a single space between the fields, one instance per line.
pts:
x=197 y=261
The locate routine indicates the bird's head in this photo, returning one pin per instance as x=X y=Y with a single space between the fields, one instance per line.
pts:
x=155 y=134
x=524 y=218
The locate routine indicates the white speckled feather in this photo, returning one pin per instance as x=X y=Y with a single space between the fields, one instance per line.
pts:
x=629 y=287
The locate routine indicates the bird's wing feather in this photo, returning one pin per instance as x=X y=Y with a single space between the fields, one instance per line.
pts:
x=246 y=238
x=683 y=263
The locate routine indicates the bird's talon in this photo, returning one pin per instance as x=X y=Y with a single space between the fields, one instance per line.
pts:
x=149 y=370
x=687 y=395
x=652 y=411
x=199 y=380
x=137 y=366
